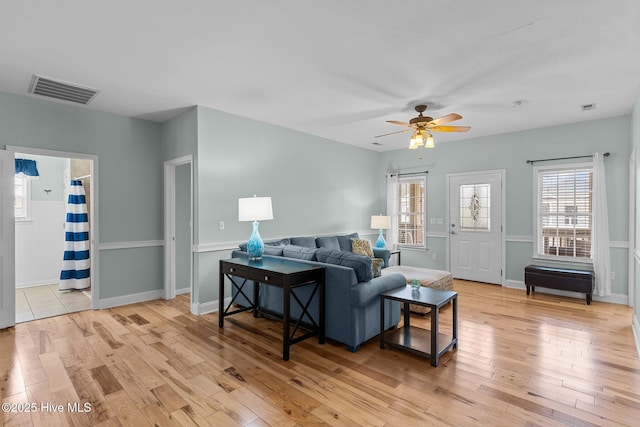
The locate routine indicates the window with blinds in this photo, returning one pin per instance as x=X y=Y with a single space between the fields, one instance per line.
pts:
x=411 y=211
x=564 y=206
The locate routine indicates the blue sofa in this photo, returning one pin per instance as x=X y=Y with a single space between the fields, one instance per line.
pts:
x=352 y=303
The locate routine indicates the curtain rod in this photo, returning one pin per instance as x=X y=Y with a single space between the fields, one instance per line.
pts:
x=564 y=158
x=408 y=173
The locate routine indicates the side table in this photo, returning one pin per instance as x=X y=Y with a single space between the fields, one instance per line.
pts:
x=428 y=343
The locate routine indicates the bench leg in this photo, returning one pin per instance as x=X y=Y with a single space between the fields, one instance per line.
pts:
x=588 y=299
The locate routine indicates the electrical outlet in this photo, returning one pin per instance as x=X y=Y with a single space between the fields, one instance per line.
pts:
x=434 y=256
x=221 y=225
x=440 y=221
x=433 y=220
x=612 y=275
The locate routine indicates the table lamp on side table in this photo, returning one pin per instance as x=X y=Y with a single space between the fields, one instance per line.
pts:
x=381 y=222
x=255 y=209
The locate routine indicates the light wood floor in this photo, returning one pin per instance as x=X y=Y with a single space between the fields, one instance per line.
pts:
x=541 y=360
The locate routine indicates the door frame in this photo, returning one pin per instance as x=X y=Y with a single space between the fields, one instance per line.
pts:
x=93 y=214
x=170 y=226
x=7 y=242
x=631 y=272
x=502 y=173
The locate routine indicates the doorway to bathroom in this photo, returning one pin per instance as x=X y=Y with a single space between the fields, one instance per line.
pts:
x=53 y=234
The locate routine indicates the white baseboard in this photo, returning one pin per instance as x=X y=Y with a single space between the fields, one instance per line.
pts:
x=37 y=283
x=635 y=327
x=130 y=299
x=183 y=291
x=613 y=298
x=207 y=307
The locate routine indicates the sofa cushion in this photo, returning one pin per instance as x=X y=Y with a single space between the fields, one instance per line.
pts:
x=273 y=250
x=280 y=242
x=345 y=241
x=307 y=242
x=329 y=242
x=300 y=252
x=362 y=265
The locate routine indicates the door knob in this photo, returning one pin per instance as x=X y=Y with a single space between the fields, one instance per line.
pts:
x=453 y=232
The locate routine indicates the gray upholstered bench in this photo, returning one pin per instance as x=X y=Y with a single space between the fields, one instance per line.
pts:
x=563 y=279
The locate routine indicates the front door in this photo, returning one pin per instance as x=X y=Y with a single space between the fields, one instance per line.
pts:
x=475 y=226
x=7 y=245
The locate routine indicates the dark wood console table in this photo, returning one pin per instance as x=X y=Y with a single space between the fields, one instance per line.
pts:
x=282 y=273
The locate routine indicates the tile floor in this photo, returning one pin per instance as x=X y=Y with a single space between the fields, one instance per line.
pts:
x=46 y=301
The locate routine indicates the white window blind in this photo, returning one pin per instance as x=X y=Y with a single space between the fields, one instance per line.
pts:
x=564 y=220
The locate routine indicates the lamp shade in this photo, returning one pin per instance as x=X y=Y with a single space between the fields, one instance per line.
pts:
x=381 y=222
x=429 y=143
x=254 y=209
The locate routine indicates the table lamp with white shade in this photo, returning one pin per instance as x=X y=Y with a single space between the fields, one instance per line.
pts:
x=255 y=209
x=381 y=222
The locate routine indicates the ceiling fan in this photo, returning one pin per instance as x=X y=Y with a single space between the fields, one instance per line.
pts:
x=423 y=126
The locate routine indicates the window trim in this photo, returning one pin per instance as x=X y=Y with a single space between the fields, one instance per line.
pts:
x=412 y=178
x=536 y=217
x=27 y=199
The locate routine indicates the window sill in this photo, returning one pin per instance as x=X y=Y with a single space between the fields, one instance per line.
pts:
x=564 y=260
x=412 y=248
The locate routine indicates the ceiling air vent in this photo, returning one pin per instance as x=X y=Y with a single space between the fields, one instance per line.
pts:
x=587 y=107
x=64 y=91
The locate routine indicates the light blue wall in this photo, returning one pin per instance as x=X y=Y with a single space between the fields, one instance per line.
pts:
x=180 y=135
x=317 y=186
x=510 y=152
x=130 y=179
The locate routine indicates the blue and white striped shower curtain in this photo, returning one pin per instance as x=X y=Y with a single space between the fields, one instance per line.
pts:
x=76 y=264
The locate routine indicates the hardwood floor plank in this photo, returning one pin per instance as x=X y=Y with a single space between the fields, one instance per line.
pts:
x=126 y=412
x=234 y=409
x=90 y=392
x=105 y=379
x=55 y=372
x=131 y=382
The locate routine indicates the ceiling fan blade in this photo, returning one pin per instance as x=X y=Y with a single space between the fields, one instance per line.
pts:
x=445 y=119
x=398 y=123
x=392 y=133
x=450 y=128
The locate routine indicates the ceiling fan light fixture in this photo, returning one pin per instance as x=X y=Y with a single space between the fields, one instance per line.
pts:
x=429 y=143
x=417 y=140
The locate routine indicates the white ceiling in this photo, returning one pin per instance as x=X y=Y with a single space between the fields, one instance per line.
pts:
x=335 y=68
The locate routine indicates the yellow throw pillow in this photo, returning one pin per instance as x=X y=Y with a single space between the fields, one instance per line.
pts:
x=377 y=266
x=363 y=247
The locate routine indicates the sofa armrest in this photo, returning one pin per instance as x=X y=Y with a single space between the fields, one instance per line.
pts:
x=364 y=292
x=382 y=253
